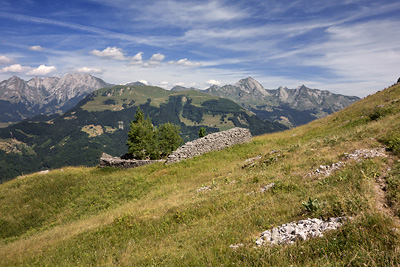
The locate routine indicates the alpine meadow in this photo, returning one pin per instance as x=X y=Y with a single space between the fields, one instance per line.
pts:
x=199 y=133
x=210 y=210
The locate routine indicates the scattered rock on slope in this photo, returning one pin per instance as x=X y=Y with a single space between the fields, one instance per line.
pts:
x=304 y=229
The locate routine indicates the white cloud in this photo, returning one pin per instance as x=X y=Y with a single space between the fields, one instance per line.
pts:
x=5 y=60
x=213 y=82
x=42 y=70
x=362 y=56
x=179 y=84
x=156 y=59
x=110 y=52
x=16 y=68
x=188 y=13
x=185 y=62
x=144 y=82
x=36 y=48
x=137 y=59
x=89 y=70
x=163 y=84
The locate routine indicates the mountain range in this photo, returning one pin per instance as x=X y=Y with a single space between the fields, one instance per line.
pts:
x=290 y=107
x=20 y=99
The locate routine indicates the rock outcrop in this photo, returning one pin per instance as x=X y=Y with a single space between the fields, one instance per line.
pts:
x=211 y=142
x=116 y=162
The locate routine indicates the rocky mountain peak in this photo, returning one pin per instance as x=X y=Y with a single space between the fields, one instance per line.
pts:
x=76 y=79
x=251 y=86
x=47 y=95
x=283 y=94
x=43 y=83
x=15 y=90
x=35 y=81
x=13 y=80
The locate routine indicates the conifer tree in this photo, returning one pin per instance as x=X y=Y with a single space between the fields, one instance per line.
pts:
x=169 y=138
x=147 y=142
x=142 y=141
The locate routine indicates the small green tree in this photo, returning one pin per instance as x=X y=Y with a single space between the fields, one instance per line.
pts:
x=147 y=142
x=202 y=132
x=169 y=138
x=142 y=139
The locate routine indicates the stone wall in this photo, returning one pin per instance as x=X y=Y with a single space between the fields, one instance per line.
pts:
x=110 y=161
x=211 y=142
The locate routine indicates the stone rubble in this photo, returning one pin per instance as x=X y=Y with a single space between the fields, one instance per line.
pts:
x=267 y=187
x=262 y=189
x=289 y=233
x=250 y=162
x=203 y=189
x=257 y=160
x=116 y=162
x=211 y=142
x=357 y=155
x=326 y=170
x=236 y=246
x=366 y=154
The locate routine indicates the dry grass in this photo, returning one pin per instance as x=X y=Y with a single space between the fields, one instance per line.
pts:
x=154 y=215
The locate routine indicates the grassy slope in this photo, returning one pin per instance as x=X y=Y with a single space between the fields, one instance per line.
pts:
x=154 y=215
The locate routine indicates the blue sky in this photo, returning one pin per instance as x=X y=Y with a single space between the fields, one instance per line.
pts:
x=344 y=46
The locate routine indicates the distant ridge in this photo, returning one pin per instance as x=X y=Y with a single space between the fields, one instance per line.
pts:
x=291 y=107
x=137 y=83
x=179 y=88
x=24 y=99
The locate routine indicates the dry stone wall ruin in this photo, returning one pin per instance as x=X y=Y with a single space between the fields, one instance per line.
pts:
x=116 y=162
x=211 y=142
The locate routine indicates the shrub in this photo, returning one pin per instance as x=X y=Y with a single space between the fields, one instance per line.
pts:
x=202 y=132
x=393 y=142
x=380 y=112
